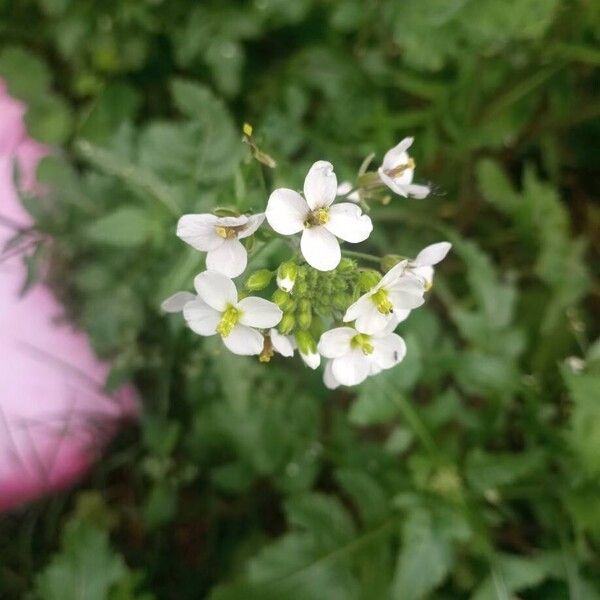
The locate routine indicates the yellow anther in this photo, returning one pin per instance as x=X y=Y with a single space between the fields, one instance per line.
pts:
x=227 y=233
x=362 y=341
x=317 y=217
x=247 y=129
x=382 y=302
x=428 y=285
x=228 y=320
x=322 y=216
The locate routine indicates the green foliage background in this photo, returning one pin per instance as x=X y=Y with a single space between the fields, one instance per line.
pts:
x=469 y=471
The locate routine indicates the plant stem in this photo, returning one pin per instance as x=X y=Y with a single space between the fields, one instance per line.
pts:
x=361 y=255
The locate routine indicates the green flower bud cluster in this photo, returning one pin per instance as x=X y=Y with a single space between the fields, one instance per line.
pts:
x=315 y=294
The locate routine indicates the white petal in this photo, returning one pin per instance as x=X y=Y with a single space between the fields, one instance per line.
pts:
x=282 y=343
x=352 y=368
x=320 y=185
x=397 y=155
x=407 y=292
x=312 y=360
x=347 y=222
x=387 y=180
x=320 y=248
x=199 y=231
x=217 y=290
x=425 y=273
x=393 y=274
x=244 y=341
x=336 y=342
x=328 y=379
x=390 y=326
x=258 y=312
x=361 y=306
x=286 y=211
x=201 y=318
x=254 y=222
x=417 y=191
x=372 y=321
x=388 y=351
x=239 y=221
x=401 y=314
x=230 y=258
x=344 y=188
x=432 y=255
x=285 y=283
x=177 y=301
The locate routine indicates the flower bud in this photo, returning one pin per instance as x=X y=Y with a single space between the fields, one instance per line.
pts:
x=368 y=279
x=346 y=265
x=286 y=275
x=301 y=288
x=280 y=298
x=304 y=313
x=389 y=261
x=287 y=323
x=340 y=301
x=306 y=342
x=259 y=280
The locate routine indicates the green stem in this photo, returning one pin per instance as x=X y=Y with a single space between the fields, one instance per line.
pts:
x=361 y=255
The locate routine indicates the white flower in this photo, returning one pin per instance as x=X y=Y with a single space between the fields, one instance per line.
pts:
x=320 y=222
x=176 y=302
x=311 y=359
x=398 y=292
x=283 y=344
x=398 y=169
x=422 y=265
x=219 y=236
x=357 y=355
x=345 y=188
x=329 y=379
x=216 y=309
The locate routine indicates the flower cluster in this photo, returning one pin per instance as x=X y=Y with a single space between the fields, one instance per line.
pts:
x=322 y=304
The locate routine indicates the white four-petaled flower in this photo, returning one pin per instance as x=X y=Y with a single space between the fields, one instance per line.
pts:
x=422 y=265
x=216 y=309
x=398 y=169
x=398 y=292
x=220 y=238
x=355 y=355
x=320 y=221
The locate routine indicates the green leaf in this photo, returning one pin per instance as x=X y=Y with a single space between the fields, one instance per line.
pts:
x=26 y=75
x=489 y=470
x=513 y=574
x=425 y=559
x=125 y=227
x=86 y=567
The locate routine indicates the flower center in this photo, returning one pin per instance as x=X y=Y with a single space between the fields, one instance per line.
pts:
x=227 y=233
x=382 y=301
x=228 y=321
x=362 y=341
x=317 y=217
x=397 y=171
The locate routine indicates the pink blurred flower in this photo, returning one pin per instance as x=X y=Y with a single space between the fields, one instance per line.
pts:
x=54 y=416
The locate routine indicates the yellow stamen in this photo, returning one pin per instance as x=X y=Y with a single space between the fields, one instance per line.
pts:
x=397 y=171
x=381 y=300
x=228 y=320
x=362 y=341
x=227 y=233
x=267 y=352
x=317 y=217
